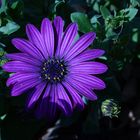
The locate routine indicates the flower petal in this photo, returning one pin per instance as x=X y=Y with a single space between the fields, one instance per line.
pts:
x=19 y=77
x=58 y=29
x=47 y=92
x=80 y=45
x=37 y=93
x=43 y=107
x=89 y=68
x=19 y=88
x=89 y=80
x=52 y=103
x=48 y=105
x=68 y=38
x=87 y=55
x=48 y=35
x=82 y=89
x=27 y=47
x=36 y=38
x=24 y=58
x=76 y=99
x=64 y=101
x=17 y=66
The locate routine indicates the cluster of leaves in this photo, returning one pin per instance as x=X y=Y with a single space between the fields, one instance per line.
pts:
x=113 y=30
x=7 y=25
x=117 y=33
x=2 y=58
x=117 y=29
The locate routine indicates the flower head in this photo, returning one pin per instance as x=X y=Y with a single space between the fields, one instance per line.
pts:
x=56 y=70
x=110 y=108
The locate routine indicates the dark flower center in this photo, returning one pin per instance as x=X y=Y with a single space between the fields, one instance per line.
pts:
x=54 y=70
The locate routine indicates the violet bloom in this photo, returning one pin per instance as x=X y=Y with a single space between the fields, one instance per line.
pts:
x=56 y=70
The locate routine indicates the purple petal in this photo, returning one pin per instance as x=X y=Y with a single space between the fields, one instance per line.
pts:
x=47 y=92
x=19 y=77
x=64 y=101
x=80 y=45
x=58 y=27
x=76 y=99
x=82 y=89
x=89 y=68
x=48 y=104
x=17 y=66
x=27 y=47
x=52 y=103
x=48 y=35
x=43 y=108
x=87 y=55
x=37 y=93
x=24 y=58
x=19 y=88
x=68 y=38
x=89 y=80
x=36 y=38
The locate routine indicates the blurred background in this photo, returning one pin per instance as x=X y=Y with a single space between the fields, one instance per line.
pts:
x=116 y=113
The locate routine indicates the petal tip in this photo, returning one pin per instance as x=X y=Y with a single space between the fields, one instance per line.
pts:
x=45 y=20
x=58 y=18
x=75 y=25
x=14 y=40
x=102 y=52
x=29 y=27
x=4 y=67
x=93 y=34
x=103 y=85
x=13 y=93
x=106 y=68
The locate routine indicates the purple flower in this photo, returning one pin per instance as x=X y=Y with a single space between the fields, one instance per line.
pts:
x=56 y=70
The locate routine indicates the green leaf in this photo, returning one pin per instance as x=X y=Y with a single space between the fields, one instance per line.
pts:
x=135 y=35
x=94 y=19
x=130 y=13
x=54 y=6
x=3 y=6
x=95 y=23
x=2 y=117
x=9 y=28
x=14 y=5
x=105 y=12
x=82 y=20
x=96 y=7
x=135 y=2
x=15 y=10
x=110 y=34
